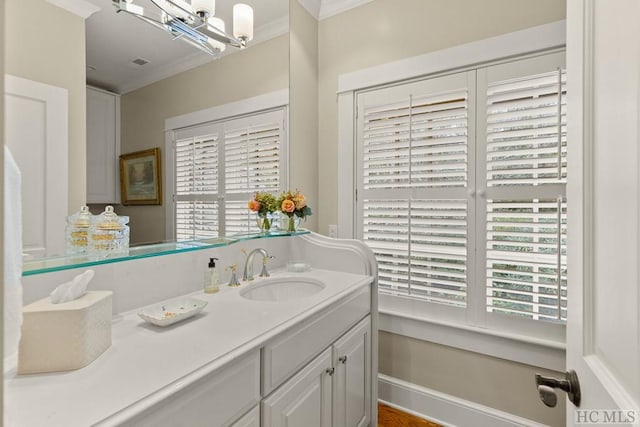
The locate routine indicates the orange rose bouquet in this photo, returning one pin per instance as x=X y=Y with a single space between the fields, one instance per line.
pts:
x=294 y=205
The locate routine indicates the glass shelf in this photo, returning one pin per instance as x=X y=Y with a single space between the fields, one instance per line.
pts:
x=48 y=265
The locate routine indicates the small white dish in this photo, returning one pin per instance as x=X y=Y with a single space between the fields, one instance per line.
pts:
x=172 y=311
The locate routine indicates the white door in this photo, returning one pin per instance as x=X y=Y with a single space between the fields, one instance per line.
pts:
x=36 y=132
x=603 y=333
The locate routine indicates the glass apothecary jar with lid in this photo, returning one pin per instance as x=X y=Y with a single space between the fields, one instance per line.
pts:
x=77 y=232
x=109 y=235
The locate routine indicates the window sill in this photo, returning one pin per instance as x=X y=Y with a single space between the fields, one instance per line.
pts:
x=532 y=351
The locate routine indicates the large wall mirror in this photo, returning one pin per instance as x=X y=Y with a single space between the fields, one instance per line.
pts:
x=154 y=78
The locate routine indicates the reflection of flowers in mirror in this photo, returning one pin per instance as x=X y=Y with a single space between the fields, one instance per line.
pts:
x=263 y=204
x=294 y=205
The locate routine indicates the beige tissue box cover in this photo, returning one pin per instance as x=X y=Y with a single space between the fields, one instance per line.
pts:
x=65 y=336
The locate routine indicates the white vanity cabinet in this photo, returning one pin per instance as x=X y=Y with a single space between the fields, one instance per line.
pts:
x=103 y=146
x=309 y=361
x=333 y=389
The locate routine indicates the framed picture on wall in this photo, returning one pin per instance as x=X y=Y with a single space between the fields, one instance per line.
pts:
x=140 y=178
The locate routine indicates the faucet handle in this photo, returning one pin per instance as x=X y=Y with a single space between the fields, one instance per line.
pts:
x=233 y=281
x=264 y=272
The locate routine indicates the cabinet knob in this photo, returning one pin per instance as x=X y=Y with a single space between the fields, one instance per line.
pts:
x=342 y=359
x=330 y=371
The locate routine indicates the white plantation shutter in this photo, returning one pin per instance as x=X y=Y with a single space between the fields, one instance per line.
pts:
x=413 y=148
x=196 y=184
x=461 y=194
x=218 y=167
x=253 y=162
x=523 y=119
x=252 y=158
x=527 y=130
x=526 y=258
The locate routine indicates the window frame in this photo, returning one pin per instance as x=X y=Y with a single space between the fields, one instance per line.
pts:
x=420 y=319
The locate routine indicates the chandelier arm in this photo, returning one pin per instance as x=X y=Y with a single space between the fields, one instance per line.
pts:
x=191 y=28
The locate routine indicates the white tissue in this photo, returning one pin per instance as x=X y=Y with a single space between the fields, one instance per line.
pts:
x=74 y=289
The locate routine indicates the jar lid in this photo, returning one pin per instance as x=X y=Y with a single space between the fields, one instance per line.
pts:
x=80 y=219
x=108 y=220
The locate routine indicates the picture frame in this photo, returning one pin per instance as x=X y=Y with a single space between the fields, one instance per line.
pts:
x=141 y=178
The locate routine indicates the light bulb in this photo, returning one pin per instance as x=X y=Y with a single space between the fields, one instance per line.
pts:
x=243 y=21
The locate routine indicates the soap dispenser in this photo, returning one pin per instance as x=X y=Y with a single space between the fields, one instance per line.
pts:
x=212 y=278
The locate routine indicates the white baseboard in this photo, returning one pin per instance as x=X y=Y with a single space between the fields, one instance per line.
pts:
x=443 y=408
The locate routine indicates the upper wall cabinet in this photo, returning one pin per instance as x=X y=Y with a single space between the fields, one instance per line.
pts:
x=103 y=146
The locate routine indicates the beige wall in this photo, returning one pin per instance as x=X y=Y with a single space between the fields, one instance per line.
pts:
x=47 y=44
x=388 y=30
x=259 y=69
x=497 y=383
x=303 y=115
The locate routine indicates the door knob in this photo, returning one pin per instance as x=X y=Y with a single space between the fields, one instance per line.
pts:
x=570 y=385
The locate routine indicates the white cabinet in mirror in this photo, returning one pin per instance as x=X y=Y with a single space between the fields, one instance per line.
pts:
x=103 y=146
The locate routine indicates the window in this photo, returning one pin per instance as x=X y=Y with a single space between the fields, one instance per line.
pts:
x=461 y=190
x=218 y=167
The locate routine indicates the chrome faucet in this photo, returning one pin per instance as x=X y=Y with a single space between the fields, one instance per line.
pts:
x=248 y=265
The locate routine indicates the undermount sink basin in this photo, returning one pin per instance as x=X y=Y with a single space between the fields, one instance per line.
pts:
x=282 y=289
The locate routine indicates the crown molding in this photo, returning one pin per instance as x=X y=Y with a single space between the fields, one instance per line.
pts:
x=82 y=8
x=329 y=8
x=262 y=34
x=312 y=6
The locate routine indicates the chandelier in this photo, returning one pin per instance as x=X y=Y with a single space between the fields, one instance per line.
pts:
x=195 y=23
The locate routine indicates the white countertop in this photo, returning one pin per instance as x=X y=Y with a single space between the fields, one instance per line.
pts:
x=147 y=363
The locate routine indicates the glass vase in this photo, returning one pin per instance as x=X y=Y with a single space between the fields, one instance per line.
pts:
x=264 y=223
x=292 y=223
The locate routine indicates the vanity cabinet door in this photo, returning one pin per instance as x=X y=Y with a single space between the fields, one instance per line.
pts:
x=304 y=400
x=103 y=146
x=352 y=377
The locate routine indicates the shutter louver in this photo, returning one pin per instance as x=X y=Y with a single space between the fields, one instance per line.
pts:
x=526 y=258
x=418 y=142
x=238 y=219
x=252 y=163
x=413 y=148
x=386 y=230
x=218 y=167
x=421 y=247
x=252 y=159
x=439 y=250
x=526 y=130
x=196 y=220
x=196 y=187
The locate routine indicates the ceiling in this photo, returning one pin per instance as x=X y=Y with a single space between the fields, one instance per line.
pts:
x=114 y=40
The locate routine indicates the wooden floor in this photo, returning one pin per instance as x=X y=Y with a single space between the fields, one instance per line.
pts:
x=392 y=417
